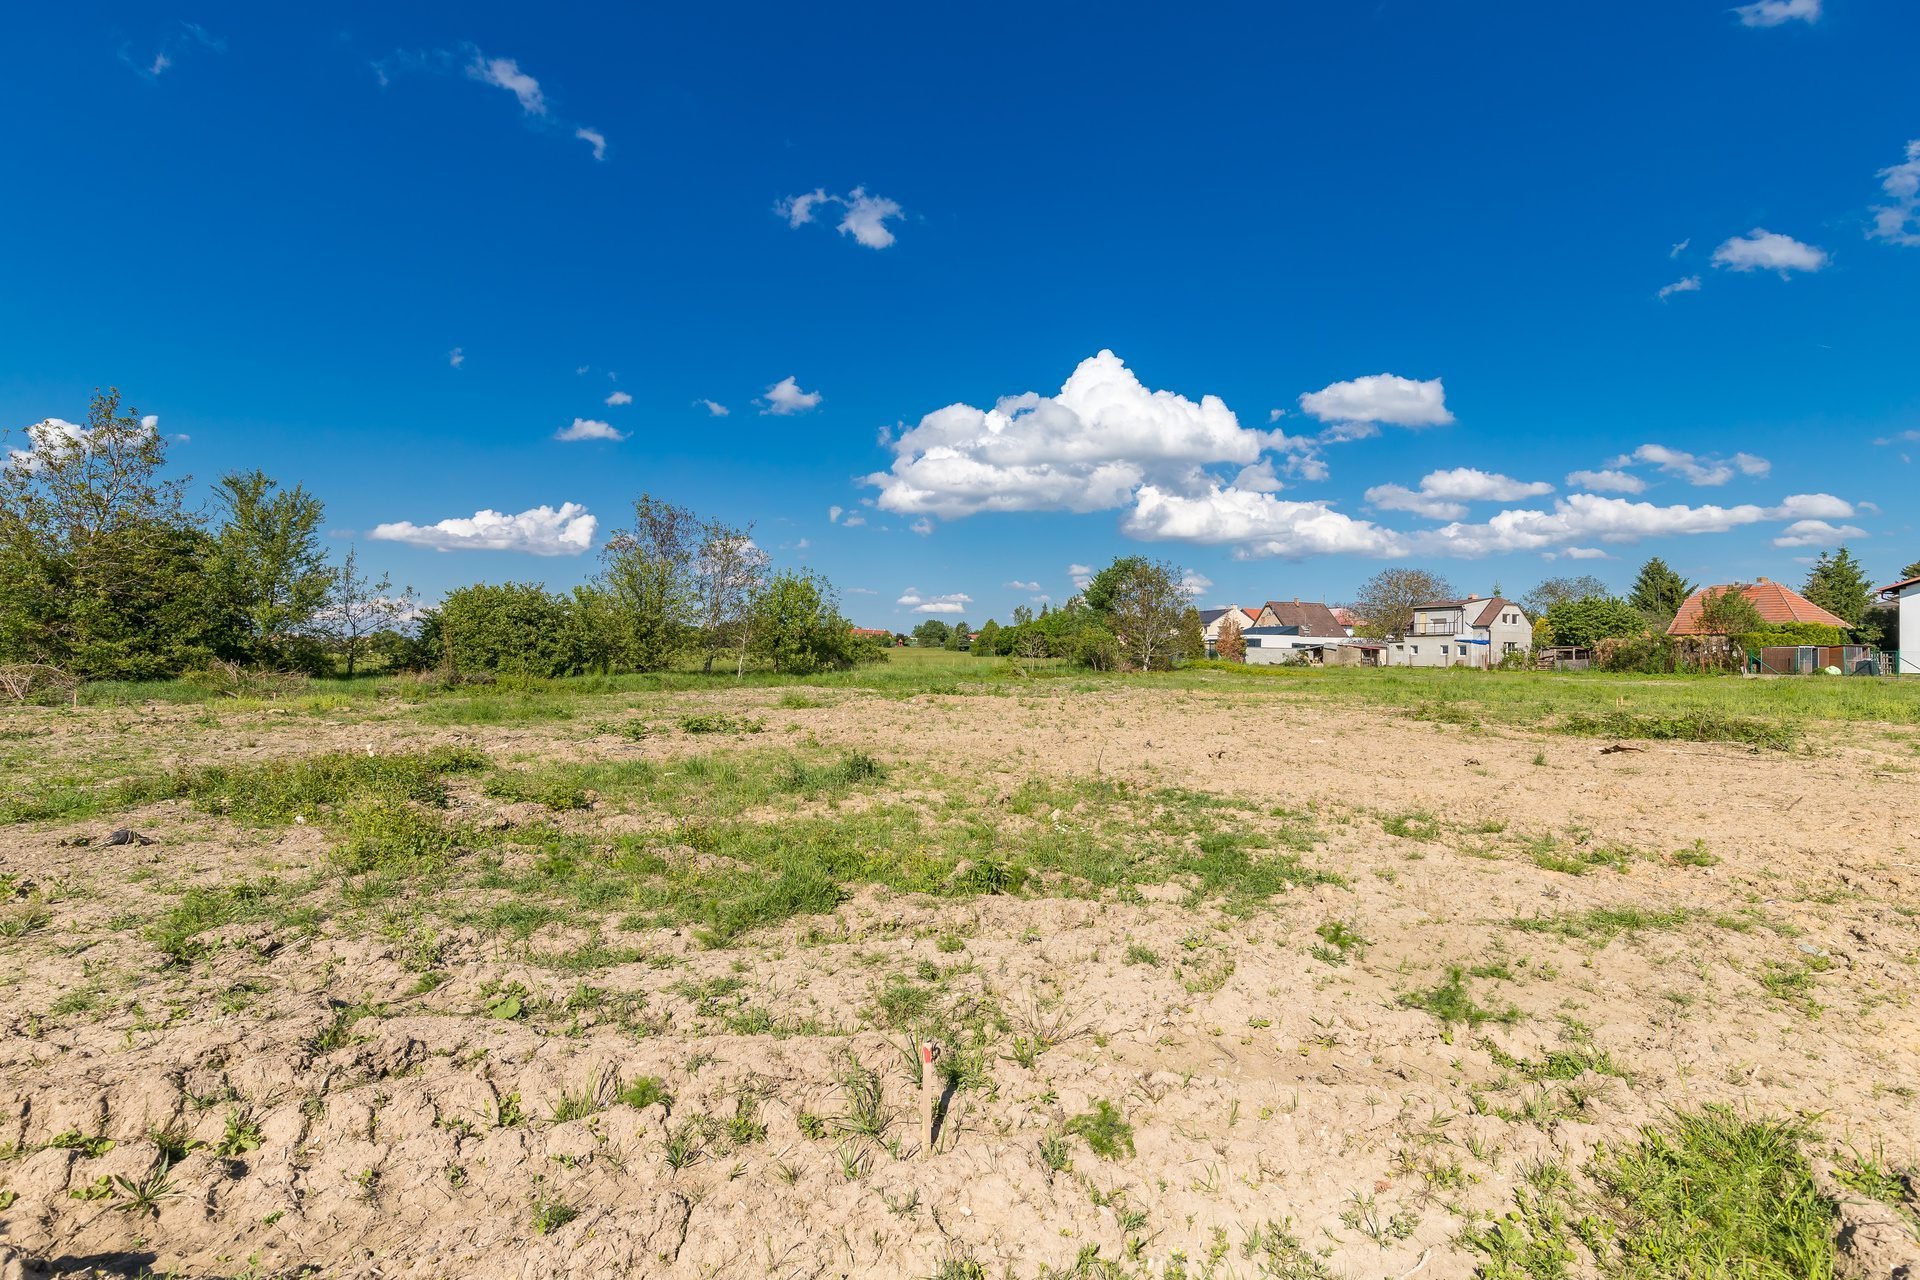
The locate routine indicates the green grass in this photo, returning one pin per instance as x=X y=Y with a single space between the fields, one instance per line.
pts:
x=1453 y=1004
x=1603 y=924
x=1104 y=1129
x=1710 y=1195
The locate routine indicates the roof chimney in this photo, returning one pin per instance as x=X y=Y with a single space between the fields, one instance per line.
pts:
x=1471 y=598
x=1760 y=579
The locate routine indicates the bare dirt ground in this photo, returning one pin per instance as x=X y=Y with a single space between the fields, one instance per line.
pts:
x=414 y=1087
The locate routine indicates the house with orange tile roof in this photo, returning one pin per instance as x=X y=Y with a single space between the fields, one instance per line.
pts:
x=1776 y=604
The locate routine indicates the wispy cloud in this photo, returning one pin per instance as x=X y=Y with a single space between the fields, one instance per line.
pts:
x=171 y=47
x=593 y=138
x=1899 y=222
x=1690 y=284
x=864 y=216
x=714 y=408
x=499 y=73
x=619 y=397
x=456 y=357
x=1772 y=13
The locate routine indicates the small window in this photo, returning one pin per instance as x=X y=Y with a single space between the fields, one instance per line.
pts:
x=1444 y=651
x=1511 y=646
x=1415 y=648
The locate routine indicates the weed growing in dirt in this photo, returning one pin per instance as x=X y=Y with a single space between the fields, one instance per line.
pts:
x=550 y=1213
x=1338 y=942
x=1603 y=924
x=720 y=722
x=142 y=1196
x=1453 y=1004
x=644 y=1092
x=1104 y=1129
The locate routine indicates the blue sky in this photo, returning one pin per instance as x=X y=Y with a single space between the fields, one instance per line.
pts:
x=394 y=252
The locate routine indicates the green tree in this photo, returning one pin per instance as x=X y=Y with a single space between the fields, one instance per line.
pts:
x=1561 y=590
x=100 y=569
x=959 y=636
x=1838 y=584
x=1585 y=622
x=1140 y=602
x=358 y=607
x=1387 y=599
x=797 y=627
x=931 y=634
x=1658 y=592
x=729 y=572
x=986 y=641
x=1727 y=612
x=1910 y=572
x=1193 y=635
x=650 y=573
x=269 y=563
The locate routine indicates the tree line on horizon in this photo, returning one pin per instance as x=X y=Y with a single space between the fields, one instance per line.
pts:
x=106 y=574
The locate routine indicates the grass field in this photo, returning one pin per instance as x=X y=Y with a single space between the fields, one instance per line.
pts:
x=1233 y=973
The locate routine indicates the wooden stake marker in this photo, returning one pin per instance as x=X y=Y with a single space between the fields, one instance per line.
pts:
x=929 y=1094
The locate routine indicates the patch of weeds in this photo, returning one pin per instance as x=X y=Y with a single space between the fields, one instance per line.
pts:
x=1412 y=826
x=18 y=924
x=1603 y=924
x=1453 y=1004
x=1871 y=1174
x=550 y=1213
x=1056 y=1153
x=142 y=1197
x=1694 y=855
x=1281 y=1255
x=1698 y=724
x=745 y=1127
x=240 y=1135
x=1104 y=1129
x=577 y=1104
x=851 y=769
x=1339 y=941
x=1137 y=954
x=277 y=791
x=90 y=1148
x=810 y=1125
x=683 y=1146
x=1792 y=982
x=720 y=722
x=507 y=1113
x=794 y=700
x=390 y=836
x=1576 y=859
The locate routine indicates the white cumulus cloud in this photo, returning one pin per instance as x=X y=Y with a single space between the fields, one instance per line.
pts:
x=833 y=514
x=1816 y=533
x=1081 y=575
x=784 y=397
x=1763 y=250
x=619 y=397
x=541 y=531
x=1085 y=449
x=952 y=602
x=1255 y=524
x=1443 y=495
x=1693 y=468
x=1771 y=13
x=1381 y=398
x=1017 y=585
x=588 y=429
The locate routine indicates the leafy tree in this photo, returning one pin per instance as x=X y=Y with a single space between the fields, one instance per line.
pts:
x=1193 y=635
x=1386 y=600
x=1727 y=612
x=358 y=607
x=959 y=637
x=931 y=634
x=100 y=569
x=1093 y=646
x=798 y=629
x=987 y=640
x=269 y=563
x=1022 y=615
x=1584 y=623
x=1231 y=643
x=649 y=570
x=1838 y=584
x=1658 y=592
x=1911 y=571
x=1561 y=590
x=729 y=572
x=1142 y=603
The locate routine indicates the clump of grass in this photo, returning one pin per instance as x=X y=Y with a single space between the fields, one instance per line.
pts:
x=1696 y=724
x=1711 y=1195
x=851 y=769
x=1695 y=855
x=866 y=1113
x=276 y=791
x=1412 y=826
x=1104 y=1129
x=1453 y=1004
x=390 y=836
x=550 y=1213
x=577 y=1104
x=1138 y=954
